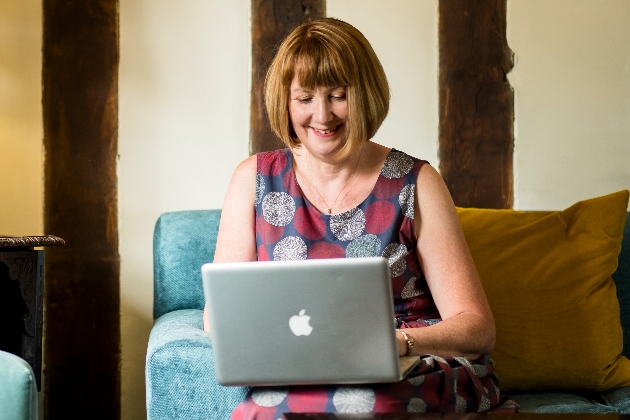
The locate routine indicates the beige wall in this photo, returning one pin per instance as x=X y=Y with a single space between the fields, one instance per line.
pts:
x=21 y=159
x=184 y=124
x=572 y=84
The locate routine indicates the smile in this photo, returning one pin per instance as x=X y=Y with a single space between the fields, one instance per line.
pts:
x=324 y=132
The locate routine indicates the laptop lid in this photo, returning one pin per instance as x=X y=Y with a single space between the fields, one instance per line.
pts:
x=326 y=321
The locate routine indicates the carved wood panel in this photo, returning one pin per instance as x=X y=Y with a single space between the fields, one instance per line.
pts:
x=476 y=103
x=21 y=306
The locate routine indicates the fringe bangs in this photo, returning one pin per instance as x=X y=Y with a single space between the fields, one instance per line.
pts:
x=317 y=64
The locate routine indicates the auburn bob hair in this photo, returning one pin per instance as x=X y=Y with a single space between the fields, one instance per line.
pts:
x=325 y=53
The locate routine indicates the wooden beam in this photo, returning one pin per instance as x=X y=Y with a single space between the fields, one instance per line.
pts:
x=82 y=303
x=476 y=103
x=272 y=20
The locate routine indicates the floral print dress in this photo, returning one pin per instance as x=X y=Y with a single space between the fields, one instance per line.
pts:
x=288 y=227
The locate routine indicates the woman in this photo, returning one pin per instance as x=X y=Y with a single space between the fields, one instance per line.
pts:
x=333 y=193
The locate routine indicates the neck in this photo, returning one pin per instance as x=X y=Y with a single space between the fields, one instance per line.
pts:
x=330 y=180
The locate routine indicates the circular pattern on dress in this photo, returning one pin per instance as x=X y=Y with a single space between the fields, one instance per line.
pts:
x=307 y=399
x=348 y=225
x=271 y=163
x=268 y=233
x=386 y=188
x=397 y=164
x=269 y=397
x=480 y=370
x=460 y=402
x=260 y=188
x=364 y=246
x=416 y=380
x=417 y=405
x=278 y=208
x=291 y=184
x=309 y=223
x=323 y=249
x=290 y=248
x=263 y=255
x=379 y=217
x=406 y=200
x=354 y=400
x=484 y=404
x=395 y=254
x=410 y=290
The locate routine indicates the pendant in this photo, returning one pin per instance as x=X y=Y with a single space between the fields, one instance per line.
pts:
x=329 y=211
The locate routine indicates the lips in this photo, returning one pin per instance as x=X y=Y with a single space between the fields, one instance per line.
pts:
x=324 y=132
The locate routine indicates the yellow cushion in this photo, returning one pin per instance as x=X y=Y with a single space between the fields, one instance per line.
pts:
x=547 y=276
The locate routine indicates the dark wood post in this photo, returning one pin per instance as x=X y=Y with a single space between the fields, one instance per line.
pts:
x=82 y=303
x=272 y=20
x=476 y=103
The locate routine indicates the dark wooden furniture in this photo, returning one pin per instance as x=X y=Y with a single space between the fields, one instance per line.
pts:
x=463 y=416
x=21 y=297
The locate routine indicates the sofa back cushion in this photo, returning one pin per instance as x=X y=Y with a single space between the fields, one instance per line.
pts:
x=547 y=276
x=182 y=242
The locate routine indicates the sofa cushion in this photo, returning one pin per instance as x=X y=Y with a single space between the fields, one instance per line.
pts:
x=182 y=242
x=619 y=398
x=547 y=276
x=18 y=390
x=561 y=402
x=180 y=372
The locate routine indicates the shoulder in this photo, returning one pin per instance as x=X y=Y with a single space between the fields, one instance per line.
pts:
x=430 y=185
x=245 y=170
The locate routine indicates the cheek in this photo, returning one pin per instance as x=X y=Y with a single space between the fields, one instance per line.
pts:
x=296 y=117
x=342 y=111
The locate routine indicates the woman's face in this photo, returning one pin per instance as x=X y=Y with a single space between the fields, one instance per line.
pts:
x=319 y=117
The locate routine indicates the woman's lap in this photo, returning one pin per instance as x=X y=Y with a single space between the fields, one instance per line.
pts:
x=436 y=385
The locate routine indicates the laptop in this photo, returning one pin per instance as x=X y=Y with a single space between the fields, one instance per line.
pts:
x=323 y=321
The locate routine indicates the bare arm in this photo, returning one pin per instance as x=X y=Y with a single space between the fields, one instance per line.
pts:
x=468 y=327
x=236 y=240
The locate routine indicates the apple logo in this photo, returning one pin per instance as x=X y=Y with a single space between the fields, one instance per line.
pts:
x=299 y=324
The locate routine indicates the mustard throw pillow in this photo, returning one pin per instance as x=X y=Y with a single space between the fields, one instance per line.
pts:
x=547 y=276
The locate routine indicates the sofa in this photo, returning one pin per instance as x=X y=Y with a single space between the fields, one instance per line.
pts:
x=180 y=381
x=18 y=389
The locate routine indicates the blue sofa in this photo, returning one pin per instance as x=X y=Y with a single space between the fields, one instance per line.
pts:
x=179 y=368
x=18 y=389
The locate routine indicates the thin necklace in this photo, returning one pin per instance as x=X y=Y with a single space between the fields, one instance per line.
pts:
x=308 y=163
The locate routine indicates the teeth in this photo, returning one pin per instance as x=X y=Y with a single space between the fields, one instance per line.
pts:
x=325 y=131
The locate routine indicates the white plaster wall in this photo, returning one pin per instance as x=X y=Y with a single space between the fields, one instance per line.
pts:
x=572 y=85
x=184 y=116
x=21 y=131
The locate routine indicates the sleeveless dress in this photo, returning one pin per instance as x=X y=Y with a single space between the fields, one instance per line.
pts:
x=288 y=227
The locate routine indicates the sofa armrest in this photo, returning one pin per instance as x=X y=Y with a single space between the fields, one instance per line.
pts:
x=180 y=376
x=18 y=390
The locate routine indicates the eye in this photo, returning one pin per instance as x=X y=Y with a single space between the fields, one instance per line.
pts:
x=341 y=96
x=304 y=99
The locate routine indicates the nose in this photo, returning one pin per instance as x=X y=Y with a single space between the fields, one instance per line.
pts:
x=323 y=111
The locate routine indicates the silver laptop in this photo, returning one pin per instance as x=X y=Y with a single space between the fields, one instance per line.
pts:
x=326 y=321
